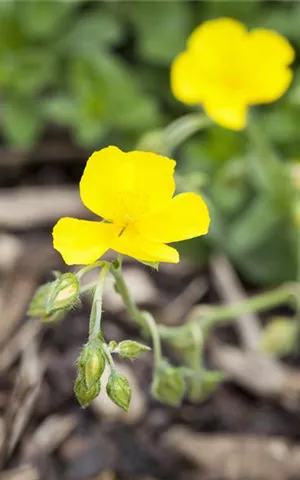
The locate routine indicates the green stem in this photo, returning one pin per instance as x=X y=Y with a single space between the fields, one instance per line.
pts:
x=143 y=319
x=155 y=337
x=197 y=336
x=208 y=316
x=109 y=357
x=87 y=288
x=87 y=268
x=122 y=290
x=96 y=312
x=183 y=128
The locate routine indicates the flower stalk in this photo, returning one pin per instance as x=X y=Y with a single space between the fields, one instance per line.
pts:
x=143 y=319
x=207 y=316
x=96 y=312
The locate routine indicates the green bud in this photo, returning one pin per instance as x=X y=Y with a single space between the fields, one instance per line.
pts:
x=91 y=363
x=112 y=345
x=53 y=317
x=203 y=385
x=279 y=337
x=64 y=293
x=84 y=394
x=168 y=385
x=131 y=349
x=37 y=306
x=118 y=390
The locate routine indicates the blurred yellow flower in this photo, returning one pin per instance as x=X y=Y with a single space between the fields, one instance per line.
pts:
x=133 y=193
x=226 y=69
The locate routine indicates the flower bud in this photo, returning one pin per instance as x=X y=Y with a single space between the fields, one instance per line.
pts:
x=64 y=293
x=112 y=345
x=204 y=384
x=37 y=306
x=168 y=385
x=91 y=363
x=279 y=337
x=118 y=390
x=84 y=394
x=131 y=349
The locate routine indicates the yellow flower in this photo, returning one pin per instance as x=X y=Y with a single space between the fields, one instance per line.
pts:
x=226 y=69
x=133 y=193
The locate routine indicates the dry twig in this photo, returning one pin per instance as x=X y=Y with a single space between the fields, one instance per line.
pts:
x=231 y=291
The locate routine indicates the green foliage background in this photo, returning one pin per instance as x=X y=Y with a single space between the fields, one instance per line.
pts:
x=101 y=69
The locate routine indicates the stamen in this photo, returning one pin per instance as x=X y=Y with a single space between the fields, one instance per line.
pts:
x=122 y=231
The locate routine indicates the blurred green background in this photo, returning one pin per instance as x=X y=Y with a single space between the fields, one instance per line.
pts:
x=100 y=71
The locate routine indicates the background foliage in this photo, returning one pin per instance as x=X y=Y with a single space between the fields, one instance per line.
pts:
x=101 y=69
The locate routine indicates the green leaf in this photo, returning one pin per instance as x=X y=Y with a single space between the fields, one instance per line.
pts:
x=162 y=28
x=43 y=19
x=60 y=109
x=21 y=122
x=88 y=132
x=91 y=31
x=256 y=223
x=262 y=244
x=244 y=11
x=107 y=94
x=6 y=7
x=29 y=71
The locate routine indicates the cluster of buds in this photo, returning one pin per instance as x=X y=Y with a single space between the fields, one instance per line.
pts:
x=91 y=364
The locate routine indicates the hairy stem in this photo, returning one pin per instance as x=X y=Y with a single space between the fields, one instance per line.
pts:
x=143 y=319
x=208 y=316
x=96 y=312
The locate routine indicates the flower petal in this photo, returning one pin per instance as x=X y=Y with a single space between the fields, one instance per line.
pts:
x=271 y=47
x=268 y=54
x=269 y=85
x=219 y=35
x=229 y=114
x=120 y=186
x=135 y=245
x=185 y=217
x=81 y=242
x=186 y=82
